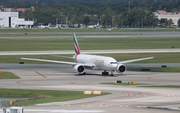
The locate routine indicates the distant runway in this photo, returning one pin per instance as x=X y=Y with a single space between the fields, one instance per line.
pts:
x=90 y=51
x=96 y=35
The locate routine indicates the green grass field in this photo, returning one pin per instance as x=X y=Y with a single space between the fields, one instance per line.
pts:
x=64 y=32
x=8 y=75
x=92 y=30
x=88 y=44
x=158 y=58
x=42 y=96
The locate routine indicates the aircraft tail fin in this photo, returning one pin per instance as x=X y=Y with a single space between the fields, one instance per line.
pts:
x=76 y=45
x=49 y=24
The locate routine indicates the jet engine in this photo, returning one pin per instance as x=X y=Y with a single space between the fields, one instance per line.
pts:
x=121 y=68
x=79 y=69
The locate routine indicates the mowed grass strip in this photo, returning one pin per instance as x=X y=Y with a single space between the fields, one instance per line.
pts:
x=158 y=58
x=60 y=35
x=43 y=96
x=25 y=35
x=27 y=44
x=55 y=30
x=8 y=75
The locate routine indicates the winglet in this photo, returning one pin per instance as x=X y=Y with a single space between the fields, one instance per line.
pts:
x=76 y=45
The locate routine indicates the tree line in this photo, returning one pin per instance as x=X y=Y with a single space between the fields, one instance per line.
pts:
x=120 y=13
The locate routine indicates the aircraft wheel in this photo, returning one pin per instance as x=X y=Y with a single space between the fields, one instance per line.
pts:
x=111 y=75
x=105 y=73
x=83 y=73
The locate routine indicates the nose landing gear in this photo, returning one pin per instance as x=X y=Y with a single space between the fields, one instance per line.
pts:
x=107 y=73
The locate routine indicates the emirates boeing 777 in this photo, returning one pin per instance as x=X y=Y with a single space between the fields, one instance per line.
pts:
x=92 y=62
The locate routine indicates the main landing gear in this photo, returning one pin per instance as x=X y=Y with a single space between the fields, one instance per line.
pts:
x=107 y=73
x=82 y=73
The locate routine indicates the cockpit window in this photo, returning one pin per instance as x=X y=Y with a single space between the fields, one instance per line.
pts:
x=113 y=63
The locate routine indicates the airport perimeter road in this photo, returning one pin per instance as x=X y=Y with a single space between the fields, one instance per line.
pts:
x=123 y=98
x=90 y=51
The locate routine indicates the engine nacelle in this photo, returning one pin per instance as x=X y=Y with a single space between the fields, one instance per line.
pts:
x=121 y=68
x=79 y=69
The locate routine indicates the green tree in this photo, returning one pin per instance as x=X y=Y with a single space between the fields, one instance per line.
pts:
x=28 y=15
x=179 y=23
x=86 y=20
x=170 y=22
x=138 y=17
x=48 y=11
x=107 y=16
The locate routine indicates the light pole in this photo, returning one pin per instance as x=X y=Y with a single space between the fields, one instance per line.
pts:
x=142 y=22
x=100 y=23
x=113 y=20
x=56 y=21
x=106 y=24
x=36 y=3
x=122 y=22
x=66 y=20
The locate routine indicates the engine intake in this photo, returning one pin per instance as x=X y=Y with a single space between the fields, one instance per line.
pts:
x=79 y=69
x=121 y=68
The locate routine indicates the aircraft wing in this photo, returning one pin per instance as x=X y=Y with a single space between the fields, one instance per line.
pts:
x=59 y=62
x=63 y=57
x=134 y=60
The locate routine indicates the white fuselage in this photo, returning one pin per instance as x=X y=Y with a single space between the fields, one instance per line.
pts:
x=99 y=62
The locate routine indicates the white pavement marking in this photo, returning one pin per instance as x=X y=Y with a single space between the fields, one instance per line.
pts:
x=149 y=95
x=124 y=106
x=90 y=51
x=103 y=105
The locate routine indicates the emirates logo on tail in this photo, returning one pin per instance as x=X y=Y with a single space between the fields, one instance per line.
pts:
x=76 y=45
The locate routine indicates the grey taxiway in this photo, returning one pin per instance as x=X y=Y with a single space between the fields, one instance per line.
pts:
x=123 y=98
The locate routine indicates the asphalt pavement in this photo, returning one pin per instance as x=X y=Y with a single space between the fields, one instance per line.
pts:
x=123 y=98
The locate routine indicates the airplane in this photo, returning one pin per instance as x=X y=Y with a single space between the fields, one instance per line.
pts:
x=94 y=26
x=90 y=26
x=92 y=62
x=43 y=26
